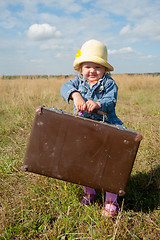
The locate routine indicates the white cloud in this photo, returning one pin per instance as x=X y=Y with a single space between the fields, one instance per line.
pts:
x=48 y=46
x=148 y=57
x=121 y=50
x=142 y=17
x=125 y=30
x=148 y=28
x=86 y=1
x=43 y=31
x=36 y=60
x=59 y=55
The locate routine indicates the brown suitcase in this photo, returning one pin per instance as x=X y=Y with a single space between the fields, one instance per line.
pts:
x=80 y=150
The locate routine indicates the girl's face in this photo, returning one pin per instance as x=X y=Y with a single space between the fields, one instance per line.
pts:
x=92 y=72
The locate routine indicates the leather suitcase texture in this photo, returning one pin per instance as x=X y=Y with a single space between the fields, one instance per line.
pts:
x=80 y=150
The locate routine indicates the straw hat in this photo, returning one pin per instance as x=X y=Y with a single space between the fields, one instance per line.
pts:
x=92 y=51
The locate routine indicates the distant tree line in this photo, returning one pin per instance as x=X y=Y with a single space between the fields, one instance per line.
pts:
x=8 y=77
x=152 y=74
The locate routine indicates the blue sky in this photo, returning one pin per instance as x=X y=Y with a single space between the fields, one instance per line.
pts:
x=42 y=36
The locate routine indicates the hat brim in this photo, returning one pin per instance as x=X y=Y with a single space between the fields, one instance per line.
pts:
x=94 y=59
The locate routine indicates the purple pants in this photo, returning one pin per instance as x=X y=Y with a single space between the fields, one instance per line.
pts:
x=110 y=197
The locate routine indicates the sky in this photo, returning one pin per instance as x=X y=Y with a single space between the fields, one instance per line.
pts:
x=42 y=36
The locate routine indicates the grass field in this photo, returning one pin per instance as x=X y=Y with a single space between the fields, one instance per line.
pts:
x=37 y=207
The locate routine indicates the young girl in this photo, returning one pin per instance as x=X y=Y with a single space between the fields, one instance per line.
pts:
x=94 y=90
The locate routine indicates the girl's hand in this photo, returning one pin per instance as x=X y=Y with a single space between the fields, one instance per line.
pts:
x=79 y=102
x=91 y=105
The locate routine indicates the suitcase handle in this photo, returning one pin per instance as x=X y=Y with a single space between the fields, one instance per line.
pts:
x=96 y=111
x=99 y=112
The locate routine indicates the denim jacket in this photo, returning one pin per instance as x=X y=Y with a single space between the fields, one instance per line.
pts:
x=104 y=91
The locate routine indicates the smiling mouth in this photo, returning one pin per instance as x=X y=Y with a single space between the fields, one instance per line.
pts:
x=92 y=75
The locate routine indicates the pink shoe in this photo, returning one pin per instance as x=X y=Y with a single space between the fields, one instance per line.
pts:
x=110 y=209
x=88 y=198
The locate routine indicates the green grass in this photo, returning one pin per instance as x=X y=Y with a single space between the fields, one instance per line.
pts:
x=37 y=207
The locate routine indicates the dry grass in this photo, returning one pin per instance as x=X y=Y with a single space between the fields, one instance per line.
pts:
x=37 y=207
